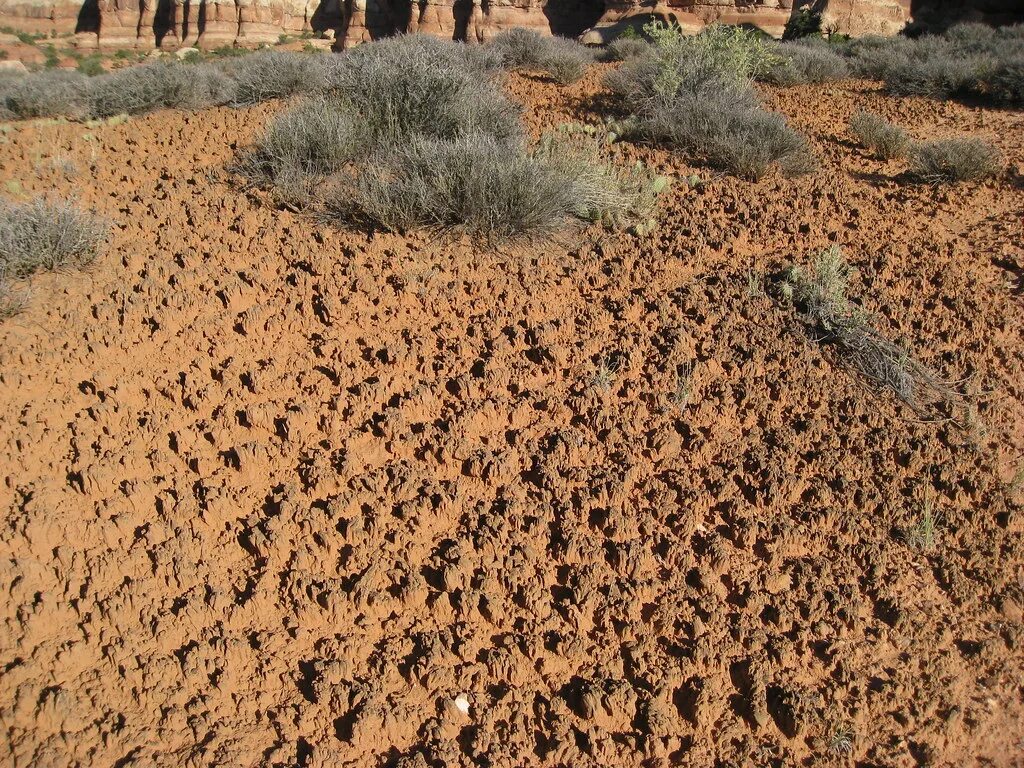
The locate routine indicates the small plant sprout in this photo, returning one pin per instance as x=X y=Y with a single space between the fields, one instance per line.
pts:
x=755 y=283
x=604 y=374
x=840 y=740
x=921 y=535
x=683 y=389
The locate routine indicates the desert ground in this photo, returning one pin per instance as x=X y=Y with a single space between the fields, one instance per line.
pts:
x=282 y=493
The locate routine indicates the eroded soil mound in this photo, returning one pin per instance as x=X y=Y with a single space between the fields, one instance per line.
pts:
x=276 y=494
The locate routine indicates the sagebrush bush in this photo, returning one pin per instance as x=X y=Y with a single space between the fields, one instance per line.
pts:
x=960 y=159
x=626 y=48
x=821 y=293
x=969 y=61
x=159 y=85
x=50 y=93
x=802 y=64
x=301 y=147
x=472 y=183
x=267 y=75
x=885 y=140
x=41 y=235
x=564 y=60
x=402 y=88
x=697 y=96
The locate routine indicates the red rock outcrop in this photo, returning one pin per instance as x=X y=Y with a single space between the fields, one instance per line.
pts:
x=851 y=17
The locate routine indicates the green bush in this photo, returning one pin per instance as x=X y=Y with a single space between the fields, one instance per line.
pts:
x=626 y=48
x=885 y=140
x=948 y=160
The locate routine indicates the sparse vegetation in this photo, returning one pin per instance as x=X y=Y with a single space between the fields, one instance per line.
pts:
x=267 y=75
x=885 y=140
x=694 y=93
x=949 y=160
x=159 y=85
x=820 y=292
x=564 y=60
x=39 y=236
x=921 y=535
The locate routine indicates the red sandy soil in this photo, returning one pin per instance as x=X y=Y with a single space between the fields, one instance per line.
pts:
x=277 y=494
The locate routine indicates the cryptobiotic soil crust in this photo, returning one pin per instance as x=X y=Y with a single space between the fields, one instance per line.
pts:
x=277 y=494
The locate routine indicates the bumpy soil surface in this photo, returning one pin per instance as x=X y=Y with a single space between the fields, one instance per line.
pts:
x=276 y=494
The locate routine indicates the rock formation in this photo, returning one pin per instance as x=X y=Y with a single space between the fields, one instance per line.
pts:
x=172 y=24
x=851 y=17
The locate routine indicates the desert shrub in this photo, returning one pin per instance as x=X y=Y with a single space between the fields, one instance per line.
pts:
x=564 y=60
x=694 y=100
x=821 y=293
x=404 y=88
x=730 y=50
x=301 y=147
x=51 y=93
x=960 y=159
x=617 y=197
x=969 y=61
x=40 y=235
x=626 y=48
x=885 y=140
x=91 y=65
x=134 y=90
x=271 y=75
x=490 y=189
x=472 y=183
x=802 y=64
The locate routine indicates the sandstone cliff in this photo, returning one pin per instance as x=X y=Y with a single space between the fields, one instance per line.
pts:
x=171 y=24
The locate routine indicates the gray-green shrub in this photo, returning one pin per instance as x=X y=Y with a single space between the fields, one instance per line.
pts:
x=949 y=160
x=302 y=146
x=564 y=60
x=697 y=97
x=267 y=75
x=158 y=85
x=802 y=64
x=49 y=93
x=402 y=88
x=40 y=235
x=885 y=140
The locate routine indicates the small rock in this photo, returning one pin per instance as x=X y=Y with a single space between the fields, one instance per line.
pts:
x=13 y=66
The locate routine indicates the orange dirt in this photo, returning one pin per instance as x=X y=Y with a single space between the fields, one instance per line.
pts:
x=281 y=495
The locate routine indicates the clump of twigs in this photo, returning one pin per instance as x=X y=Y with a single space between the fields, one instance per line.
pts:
x=820 y=292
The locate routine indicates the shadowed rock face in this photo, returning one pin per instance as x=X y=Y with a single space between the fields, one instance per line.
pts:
x=173 y=24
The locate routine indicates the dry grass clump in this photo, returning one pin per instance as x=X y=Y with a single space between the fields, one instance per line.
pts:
x=820 y=292
x=38 y=236
x=806 y=62
x=265 y=75
x=486 y=188
x=472 y=183
x=885 y=140
x=695 y=94
x=563 y=60
x=959 y=159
